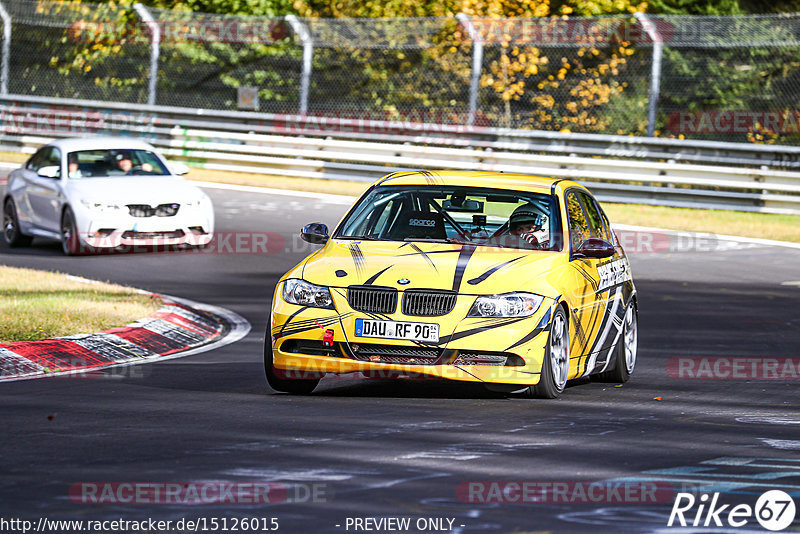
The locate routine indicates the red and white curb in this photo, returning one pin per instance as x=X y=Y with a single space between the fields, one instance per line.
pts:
x=179 y=328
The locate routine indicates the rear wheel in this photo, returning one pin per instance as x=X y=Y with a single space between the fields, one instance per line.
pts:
x=11 y=232
x=555 y=366
x=625 y=351
x=278 y=381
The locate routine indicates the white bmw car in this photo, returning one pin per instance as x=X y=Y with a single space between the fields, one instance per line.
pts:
x=103 y=193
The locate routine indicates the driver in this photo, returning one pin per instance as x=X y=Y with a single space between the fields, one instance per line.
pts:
x=523 y=226
x=124 y=162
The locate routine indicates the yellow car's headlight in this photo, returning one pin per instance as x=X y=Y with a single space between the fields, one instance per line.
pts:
x=506 y=305
x=302 y=293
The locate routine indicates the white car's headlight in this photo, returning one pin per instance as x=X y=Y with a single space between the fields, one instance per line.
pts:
x=101 y=207
x=304 y=294
x=195 y=203
x=507 y=305
x=202 y=200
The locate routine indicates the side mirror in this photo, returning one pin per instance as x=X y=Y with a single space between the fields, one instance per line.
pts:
x=179 y=168
x=315 y=233
x=594 y=248
x=50 y=171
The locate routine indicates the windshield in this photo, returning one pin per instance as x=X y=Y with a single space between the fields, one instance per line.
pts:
x=480 y=216
x=110 y=163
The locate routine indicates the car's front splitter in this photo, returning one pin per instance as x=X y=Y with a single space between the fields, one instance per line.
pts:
x=304 y=366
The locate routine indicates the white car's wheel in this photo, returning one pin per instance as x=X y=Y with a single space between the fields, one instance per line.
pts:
x=70 y=239
x=12 y=235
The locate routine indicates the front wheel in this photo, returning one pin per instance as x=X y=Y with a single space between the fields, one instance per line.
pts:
x=626 y=349
x=299 y=386
x=555 y=366
x=11 y=232
x=70 y=239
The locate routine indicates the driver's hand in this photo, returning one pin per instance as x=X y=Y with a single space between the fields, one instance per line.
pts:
x=529 y=238
x=146 y=167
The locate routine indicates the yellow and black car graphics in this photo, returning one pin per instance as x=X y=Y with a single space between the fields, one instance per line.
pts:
x=514 y=281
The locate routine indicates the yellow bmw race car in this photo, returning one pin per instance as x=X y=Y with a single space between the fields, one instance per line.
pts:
x=513 y=281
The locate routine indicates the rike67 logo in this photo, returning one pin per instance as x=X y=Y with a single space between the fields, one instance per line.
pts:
x=774 y=510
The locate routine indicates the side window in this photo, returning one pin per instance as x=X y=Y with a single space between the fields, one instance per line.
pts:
x=45 y=157
x=578 y=226
x=611 y=233
x=593 y=217
x=53 y=159
x=36 y=160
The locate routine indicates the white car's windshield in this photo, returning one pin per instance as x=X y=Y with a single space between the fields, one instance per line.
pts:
x=480 y=216
x=111 y=163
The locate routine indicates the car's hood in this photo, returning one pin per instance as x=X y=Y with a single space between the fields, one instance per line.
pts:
x=463 y=268
x=134 y=189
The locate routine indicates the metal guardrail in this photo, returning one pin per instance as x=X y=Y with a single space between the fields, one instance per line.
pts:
x=698 y=174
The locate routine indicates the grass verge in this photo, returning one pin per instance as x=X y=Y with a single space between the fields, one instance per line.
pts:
x=761 y=225
x=38 y=305
x=14 y=157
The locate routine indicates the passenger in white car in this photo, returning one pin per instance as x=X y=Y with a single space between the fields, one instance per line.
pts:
x=73 y=171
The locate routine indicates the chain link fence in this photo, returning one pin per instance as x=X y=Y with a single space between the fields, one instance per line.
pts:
x=74 y=51
x=717 y=78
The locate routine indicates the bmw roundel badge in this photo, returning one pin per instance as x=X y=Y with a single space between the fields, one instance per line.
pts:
x=404 y=281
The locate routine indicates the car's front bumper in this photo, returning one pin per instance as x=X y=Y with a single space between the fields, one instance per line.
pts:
x=131 y=238
x=192 y=227
x=298 y=333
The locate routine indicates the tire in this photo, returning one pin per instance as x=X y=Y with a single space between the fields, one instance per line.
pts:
x=70 y=239
x=300 y=386
x=626 y=349
x=555 y=367
x=12 y=235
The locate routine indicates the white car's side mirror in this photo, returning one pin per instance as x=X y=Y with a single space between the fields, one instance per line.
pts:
x=50 y=171
x=179 y=168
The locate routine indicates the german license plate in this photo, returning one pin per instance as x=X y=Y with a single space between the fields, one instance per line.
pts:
x=397 y=330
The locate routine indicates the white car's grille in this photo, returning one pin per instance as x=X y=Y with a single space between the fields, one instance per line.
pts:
x=146 y=210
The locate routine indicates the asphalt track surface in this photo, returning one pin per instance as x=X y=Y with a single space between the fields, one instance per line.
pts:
x=380 y=448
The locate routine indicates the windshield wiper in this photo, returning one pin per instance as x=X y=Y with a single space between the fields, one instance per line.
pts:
x=448 y=240
x=361 y=237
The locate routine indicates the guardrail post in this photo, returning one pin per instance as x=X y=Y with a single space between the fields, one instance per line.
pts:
x=155 y=49
x=4 y=63
x=308 y=50
x=655 y=71
x=477 y=63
